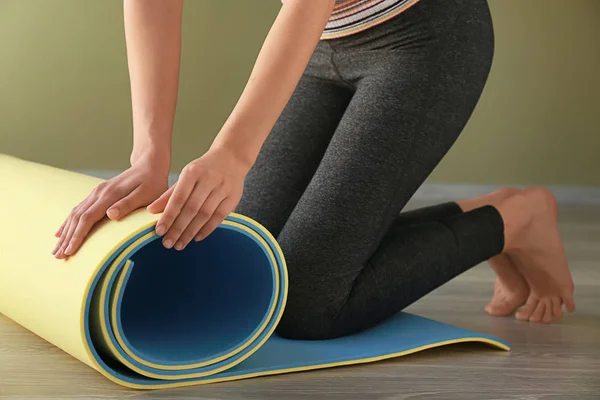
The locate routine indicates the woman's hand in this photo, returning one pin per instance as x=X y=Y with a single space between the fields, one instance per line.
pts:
x=137 y=187
x=209 y=188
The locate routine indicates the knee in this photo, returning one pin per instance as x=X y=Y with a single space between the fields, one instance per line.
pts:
x=316 y=294
x=306 y=326
x=308 y=315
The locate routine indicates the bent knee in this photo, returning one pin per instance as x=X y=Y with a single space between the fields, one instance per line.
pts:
x=308 y=317
x=306 y=326
x=316 y=294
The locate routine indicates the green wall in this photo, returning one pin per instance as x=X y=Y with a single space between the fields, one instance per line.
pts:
x=64 y=94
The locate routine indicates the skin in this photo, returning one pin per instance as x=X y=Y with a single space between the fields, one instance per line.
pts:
x=532 y=269
x=533 y=277
x=209 y=187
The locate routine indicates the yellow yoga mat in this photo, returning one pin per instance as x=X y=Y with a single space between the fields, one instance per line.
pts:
x=147 y=317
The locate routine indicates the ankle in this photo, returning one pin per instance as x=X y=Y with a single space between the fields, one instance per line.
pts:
x=492 y=198
x=517 y=214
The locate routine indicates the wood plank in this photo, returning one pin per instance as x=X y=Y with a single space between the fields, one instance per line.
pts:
x=549 y=362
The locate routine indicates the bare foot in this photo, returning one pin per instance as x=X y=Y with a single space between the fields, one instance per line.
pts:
x=511 y=290
x=533 y=242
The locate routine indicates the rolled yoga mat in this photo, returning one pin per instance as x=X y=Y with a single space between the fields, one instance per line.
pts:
x=146 y=317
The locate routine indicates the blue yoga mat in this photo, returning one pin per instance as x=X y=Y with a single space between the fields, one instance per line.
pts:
x=147 y=317
x=207 y=314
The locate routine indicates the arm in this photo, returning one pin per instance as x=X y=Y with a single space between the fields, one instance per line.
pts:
x=210 y=187
x=279 y=66
x=153 y=38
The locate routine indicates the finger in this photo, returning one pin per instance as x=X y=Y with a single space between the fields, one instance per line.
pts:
x=113 y=194
x=224 y=209
x=59 y=233
x=121 y=208
x=58 y=250
x=96 y=210
x=202 y=217
x=192 y=207
x=69 y=232
x=557 y=308
x=85 y=205
x=64 y=228
x=91 y=211
x=60 y=230
x=62 y=238
x=84 y=224
x=182 y=191
x=104 y=194
x=67 y=235
x=159 y=204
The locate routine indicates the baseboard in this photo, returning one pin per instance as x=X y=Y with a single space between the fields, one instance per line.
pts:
x=439 y=192
x=564 y=194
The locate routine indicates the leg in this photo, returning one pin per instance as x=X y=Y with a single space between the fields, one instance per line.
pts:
x=533 y=268
x=539 y=255
x=538 y=278
x=293 y=151
x=350 y=266
x=427 y=214
x=511 y=289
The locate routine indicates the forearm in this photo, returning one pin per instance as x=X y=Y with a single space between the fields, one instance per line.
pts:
x=153 y=38
x=279 y=66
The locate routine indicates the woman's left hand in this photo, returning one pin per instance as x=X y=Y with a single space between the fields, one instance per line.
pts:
x=208 y=189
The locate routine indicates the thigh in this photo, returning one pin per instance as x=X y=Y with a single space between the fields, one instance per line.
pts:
x=403 y=119
x=292 y=152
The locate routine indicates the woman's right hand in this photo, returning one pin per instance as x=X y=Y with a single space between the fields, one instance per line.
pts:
x=137 y=187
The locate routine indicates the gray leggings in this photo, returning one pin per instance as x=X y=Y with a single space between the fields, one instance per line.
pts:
x=371 y=118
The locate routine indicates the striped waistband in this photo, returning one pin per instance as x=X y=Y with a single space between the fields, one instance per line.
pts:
x=353 y=16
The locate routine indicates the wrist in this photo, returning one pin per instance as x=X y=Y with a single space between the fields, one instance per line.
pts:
x=241 y=139
x=157 y=158
x=243 y=159
x=151 y=143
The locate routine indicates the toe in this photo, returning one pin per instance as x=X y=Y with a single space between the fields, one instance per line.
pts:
x=569 y=303
x=556 y=308
x=538 y=314
x=547 y=318
x=525 y=313
x=500 y=309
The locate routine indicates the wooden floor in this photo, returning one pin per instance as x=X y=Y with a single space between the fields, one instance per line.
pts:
x=550 y=362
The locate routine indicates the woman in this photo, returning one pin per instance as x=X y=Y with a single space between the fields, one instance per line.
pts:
x=350 y=106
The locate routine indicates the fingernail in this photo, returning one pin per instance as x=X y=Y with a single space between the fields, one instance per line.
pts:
x=55 y=248
x=113 y=213
x=168 y=243
x=179 y=246
x=160 y=230
x=69 y=249
x=199 y=238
